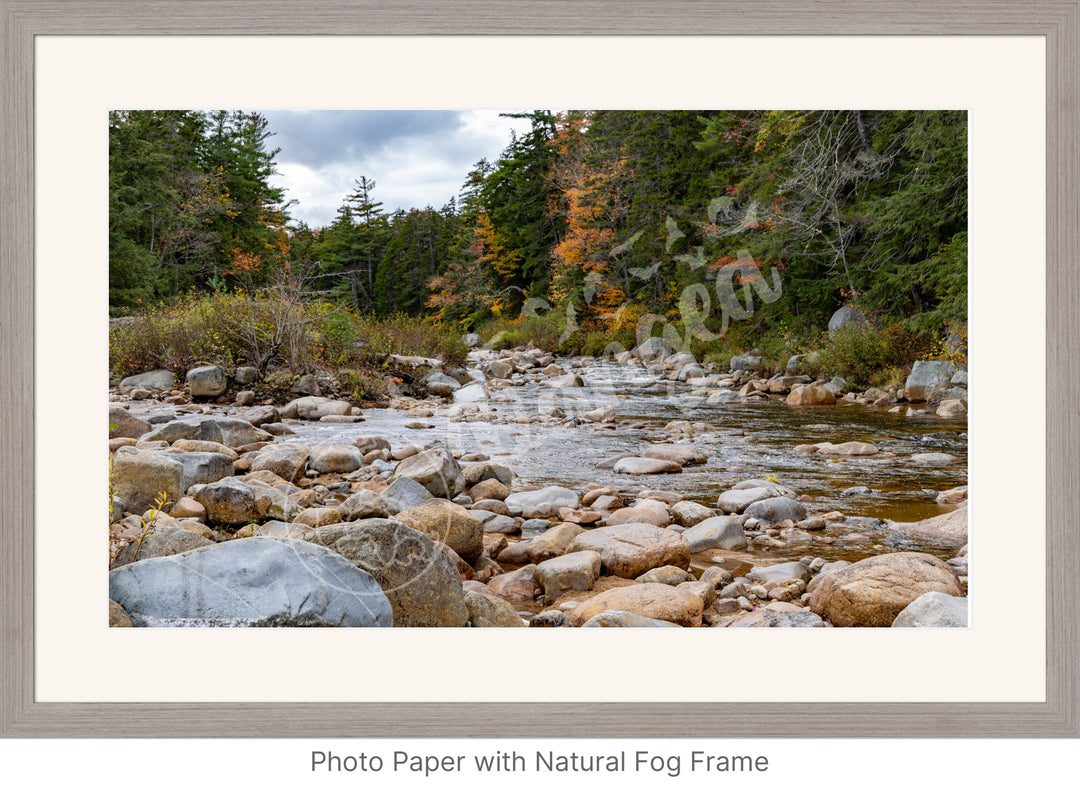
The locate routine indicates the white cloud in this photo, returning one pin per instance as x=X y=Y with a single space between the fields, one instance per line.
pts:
x=417 y=158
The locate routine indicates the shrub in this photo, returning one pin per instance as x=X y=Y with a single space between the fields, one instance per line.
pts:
x=271 y=328
x=870 y=357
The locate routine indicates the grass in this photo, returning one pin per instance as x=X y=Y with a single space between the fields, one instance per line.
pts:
x=272 y=330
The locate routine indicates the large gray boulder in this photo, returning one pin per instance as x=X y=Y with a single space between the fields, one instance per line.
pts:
x=653 y=348
x=204 y=429
x=719 y=532
x=207 y=382
x=436 y=470
x=934 y=609
x=737 y=500
x=777 y=509
x=418 y=578
x=236 y=432
x=846 y=316
x=313 y=408
x=404 y=493
x=541 y=503
x=250 y=582
x=201 y=467
x=336 y=458
x=925 y=378
x=441 y=385
x=155 y=381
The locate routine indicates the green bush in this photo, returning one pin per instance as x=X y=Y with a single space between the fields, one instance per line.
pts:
x=867 y=357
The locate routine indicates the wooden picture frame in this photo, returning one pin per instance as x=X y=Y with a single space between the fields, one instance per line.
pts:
x=22 y=21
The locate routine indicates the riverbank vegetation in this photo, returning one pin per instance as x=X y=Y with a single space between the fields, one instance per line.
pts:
x=731 y=231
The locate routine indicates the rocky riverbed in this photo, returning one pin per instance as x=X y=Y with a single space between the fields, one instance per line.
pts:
x=643 y=490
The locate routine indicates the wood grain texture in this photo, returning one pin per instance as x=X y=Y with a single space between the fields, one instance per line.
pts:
x=21 y=716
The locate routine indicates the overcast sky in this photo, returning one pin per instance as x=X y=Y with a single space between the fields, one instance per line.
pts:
x=416 y=158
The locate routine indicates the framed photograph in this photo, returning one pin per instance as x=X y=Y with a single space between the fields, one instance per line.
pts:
x=1007 y=70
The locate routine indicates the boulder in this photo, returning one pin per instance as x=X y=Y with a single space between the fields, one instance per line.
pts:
x=516 y=587
x=925 y=378
x=141 y=477
x=489 y=610
x=645 y=466
x=575 y=572
x=284 y=460
x=846 y=316
x=404 y=493
x=777 y=509
x=319 y=516
x=647 y=511
x=207 y=382
x=550 y=619
x=236 y=432
x=154 y=381
x=952 y=408
x=745 y=362
x=667 y=575
x=436 y=470
x=949 y=528
x=780 y=572
x=621 y=618
x=262 y=582
x=873 y=591
x=441 y=385
x=201 y=467
x=649 y=600
x=632 y=549
x=205 y=428
x=602 y=414
x=118 y=617
x=719 y=532
x=486 y=470
x=795 y=619
x=553 y=542
x=449 y=523
x=157 y=543
x=229 y=501
x=934 y=609
x=122 y=424
x=500 y=368
x=365 y=504
x=367 y=444
x=490 y=489
x=847 y=449
x=810 y=395
x=541 y=503
x=688 y=513
x=314 y=408
x=420 y=580
x=934 y=459
x=261 y=415
x=737 y=500
x=802 y=362
x=335 y=458
x=652 y=349
x=199 y=446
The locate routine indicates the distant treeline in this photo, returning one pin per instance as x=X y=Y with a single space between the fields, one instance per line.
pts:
x=599 y=218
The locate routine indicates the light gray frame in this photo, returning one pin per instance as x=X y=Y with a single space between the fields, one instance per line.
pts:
x=1058 y=22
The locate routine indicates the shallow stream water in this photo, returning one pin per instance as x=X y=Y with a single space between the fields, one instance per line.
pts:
x=755 y=439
